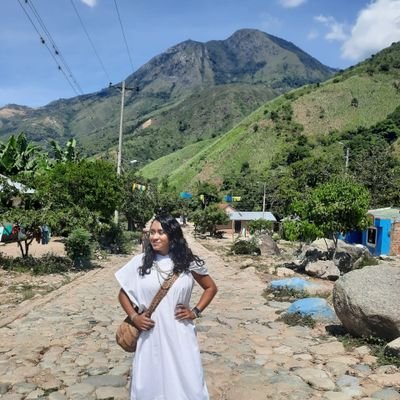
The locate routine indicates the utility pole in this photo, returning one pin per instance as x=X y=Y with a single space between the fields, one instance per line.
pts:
x=263 y=202
x=121 y=125
x=347 y=159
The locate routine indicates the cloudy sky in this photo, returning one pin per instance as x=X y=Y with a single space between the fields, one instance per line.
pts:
x=97 y=41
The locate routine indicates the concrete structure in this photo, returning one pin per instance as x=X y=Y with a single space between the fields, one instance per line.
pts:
x=241 y=219
x=382 y=237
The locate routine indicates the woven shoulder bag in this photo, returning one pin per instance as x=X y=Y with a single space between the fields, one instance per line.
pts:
x=127 y=334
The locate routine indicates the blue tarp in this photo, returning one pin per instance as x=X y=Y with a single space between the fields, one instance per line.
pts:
x=313 y=306
x=298 y=284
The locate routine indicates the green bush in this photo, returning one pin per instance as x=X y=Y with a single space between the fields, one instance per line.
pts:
x=245 y=247
x=47 y=264
x=260 y=226
x=112 y=238
x=79 y=248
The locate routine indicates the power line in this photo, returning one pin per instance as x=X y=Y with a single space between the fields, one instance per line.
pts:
x=43 y=41
x=123 y=34
x=90 y=41
x=55 y=52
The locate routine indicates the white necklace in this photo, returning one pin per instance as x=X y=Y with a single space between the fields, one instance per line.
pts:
x=162 y=275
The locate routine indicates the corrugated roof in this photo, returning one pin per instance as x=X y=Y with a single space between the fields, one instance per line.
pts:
x=19 y=186
x=386 y=213
x=251 y=216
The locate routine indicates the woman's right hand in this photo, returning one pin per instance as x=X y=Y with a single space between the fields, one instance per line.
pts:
x=143 y=322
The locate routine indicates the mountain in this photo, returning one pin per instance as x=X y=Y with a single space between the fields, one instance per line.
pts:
x=316 y=114
x=191 y=92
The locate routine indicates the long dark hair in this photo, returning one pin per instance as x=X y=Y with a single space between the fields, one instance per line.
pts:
x=179 y=251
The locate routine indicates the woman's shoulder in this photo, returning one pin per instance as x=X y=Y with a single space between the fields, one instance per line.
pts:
x=199 y=267
x=135 y=262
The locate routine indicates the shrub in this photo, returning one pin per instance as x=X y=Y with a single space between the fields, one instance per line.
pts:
x=260 y=226
x=245 y=247
x=298 y=319
x=47 y=264
x=78 y=247
x=112 y=238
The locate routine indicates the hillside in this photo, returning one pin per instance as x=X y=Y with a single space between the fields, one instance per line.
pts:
x=190 y=92
x=356 y=98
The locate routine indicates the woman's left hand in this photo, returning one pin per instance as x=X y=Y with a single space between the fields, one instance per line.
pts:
x=182 y=312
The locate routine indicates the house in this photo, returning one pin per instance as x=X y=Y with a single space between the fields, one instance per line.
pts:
x=228 y=209
x=382 y=237
x=241 y=219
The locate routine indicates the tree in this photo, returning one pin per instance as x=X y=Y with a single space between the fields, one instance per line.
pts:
x=336 y=207
x=207 y=219
x=69 y=154
x=18 y=155
x=90 y=185
x=138 y=206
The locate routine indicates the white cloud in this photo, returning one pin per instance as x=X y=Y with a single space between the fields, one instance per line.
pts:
x=313 y=34
x=90 y=3
x=336 y=30
x=291 y=3
x=377 y=26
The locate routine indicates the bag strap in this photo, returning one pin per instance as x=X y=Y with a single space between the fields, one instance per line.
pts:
x=161 y=293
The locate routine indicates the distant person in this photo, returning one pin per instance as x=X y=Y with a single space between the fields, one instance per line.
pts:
x=144 y=239
x=167 y=363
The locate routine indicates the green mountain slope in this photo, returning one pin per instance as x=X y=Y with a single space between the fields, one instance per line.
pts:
x=358 y=97
x=193 y=90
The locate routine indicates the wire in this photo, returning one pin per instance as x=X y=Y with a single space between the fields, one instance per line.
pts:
x=48 y=48
x=90 y=41
x=70 y=78
x=123 y=34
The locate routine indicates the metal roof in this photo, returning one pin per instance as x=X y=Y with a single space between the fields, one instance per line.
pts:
x=251 y=216
x=19 y=186
x=386 y=213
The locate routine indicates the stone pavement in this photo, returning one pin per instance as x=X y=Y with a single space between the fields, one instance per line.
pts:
x=62 y=347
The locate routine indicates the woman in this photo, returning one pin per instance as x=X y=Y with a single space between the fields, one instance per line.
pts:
x=167 y=364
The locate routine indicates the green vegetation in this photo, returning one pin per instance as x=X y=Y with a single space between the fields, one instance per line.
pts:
x=249 y=247
x=294 y=319
x=377 y=346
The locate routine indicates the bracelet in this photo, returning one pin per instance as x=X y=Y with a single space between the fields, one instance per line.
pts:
x=196 y=312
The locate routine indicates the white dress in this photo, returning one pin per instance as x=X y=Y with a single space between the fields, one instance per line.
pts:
x=167 y=363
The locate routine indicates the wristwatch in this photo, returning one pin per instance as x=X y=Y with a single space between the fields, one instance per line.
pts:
x=196 y=312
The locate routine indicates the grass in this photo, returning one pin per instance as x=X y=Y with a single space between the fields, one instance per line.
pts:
x=377 y=346
x=296 y=319
x=286 y=294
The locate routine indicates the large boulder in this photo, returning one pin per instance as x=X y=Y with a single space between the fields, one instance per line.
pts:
x=267 y=245
x=367 y=301
x=323 y=269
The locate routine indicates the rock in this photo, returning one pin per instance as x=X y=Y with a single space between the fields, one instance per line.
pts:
x=314 y=307
x=4 y=388
x=393 y=348
x=36 y=394
x=57 y=396
x=337 y=396
x=316 y=378
x=363 y=301
x=323 y=269
x=80 y=389
x=104 y=393
x=105 y=380
x=282 y=271
x=246 y=263
x=268 y=246
x=386 y=394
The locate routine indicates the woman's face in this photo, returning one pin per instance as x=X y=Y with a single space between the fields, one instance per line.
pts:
x=159 y=239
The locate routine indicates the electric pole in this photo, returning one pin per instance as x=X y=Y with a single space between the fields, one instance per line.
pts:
x=121 y=125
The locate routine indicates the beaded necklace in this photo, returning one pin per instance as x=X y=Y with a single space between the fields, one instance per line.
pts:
x=162 y=275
